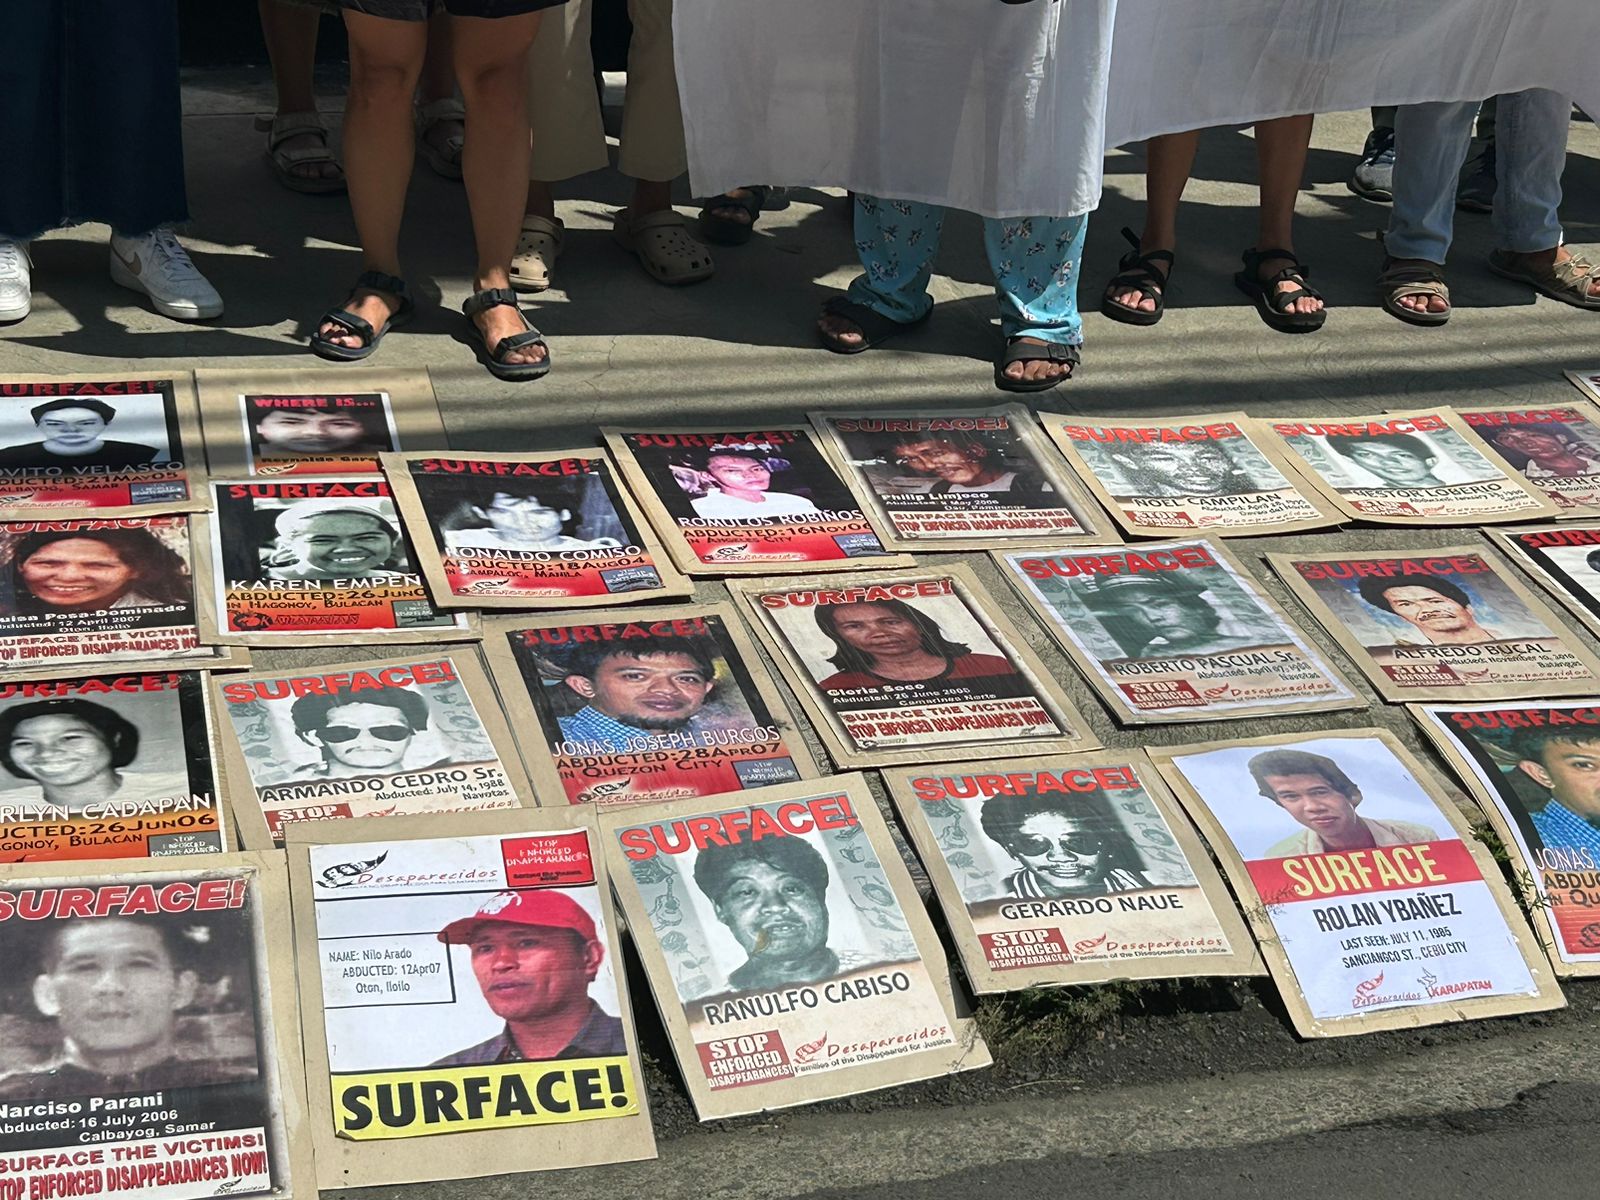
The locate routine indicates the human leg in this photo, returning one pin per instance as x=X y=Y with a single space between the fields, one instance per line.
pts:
x=1168 y=161
x=1281 y=148
x=1035 y=261
x=1431 y=142
x=297 y=144
x=1373 y=177
x=440 y=123
x=897 y=241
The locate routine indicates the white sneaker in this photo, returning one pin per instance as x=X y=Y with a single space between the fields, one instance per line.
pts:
x=157 y=265
x=16 y=280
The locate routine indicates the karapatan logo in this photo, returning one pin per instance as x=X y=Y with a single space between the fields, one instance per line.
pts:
x=344 y=874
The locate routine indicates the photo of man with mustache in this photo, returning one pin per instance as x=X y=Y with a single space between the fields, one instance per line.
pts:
x=1438 y=609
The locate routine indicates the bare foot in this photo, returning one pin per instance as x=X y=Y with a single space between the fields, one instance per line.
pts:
x=1037 y=370
x=372 y=307
x=502 y=321
x=1303 y=304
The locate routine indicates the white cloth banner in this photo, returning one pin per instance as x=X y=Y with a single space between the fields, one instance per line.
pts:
x=998 y=108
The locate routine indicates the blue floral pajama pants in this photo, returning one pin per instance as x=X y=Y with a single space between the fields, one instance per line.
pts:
x=1035 y=262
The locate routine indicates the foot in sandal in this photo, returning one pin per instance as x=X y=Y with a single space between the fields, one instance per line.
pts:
x=1136 y=295
x=441 y=135
x=846 y=327
x=501 y=319
x=1033 y=365
x=1558 y=273
x=1276 y=280
x=299 y=155
x=1414 y=290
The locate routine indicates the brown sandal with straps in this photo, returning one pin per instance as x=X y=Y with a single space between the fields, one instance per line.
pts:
x=1137 y=272
x=1275 y=306
x=1403 y=277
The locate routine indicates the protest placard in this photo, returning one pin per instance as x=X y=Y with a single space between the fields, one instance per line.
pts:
x=1069 y=870
x=315 y=560
x=747 y=502
x=1556 y=449
x=1210 y=472
x=1388 y=917
x=151 y=1045
x=1412 y=468
x=1564 y=559
x=92 y=446
x=1440 y=623
x=1174 y=632
x=109 y=766
x=1587 y=382
x=892 y=667
x=1534 y=767
x=466 y=1010
x=546 y=530
x=963 y=479
x=310 y=421
x=643 y=705
x=788 y=951
x=368 y=739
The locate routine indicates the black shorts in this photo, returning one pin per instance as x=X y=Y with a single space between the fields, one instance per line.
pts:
x=421 y=10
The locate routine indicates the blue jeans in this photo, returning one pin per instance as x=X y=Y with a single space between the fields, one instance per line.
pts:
x=1035 y=262
x=92 y=128
x=1430 y=145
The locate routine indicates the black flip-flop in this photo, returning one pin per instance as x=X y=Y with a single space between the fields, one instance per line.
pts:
x=1138 y=272
x=496 y=360
x=875 y=327
x=367 y=281
x=1272 y=304
x=726 y=231
x=1016 y=351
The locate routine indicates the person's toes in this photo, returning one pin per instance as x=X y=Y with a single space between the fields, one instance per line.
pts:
x=845 y=333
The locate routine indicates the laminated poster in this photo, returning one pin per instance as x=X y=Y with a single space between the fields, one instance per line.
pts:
x=150 y=1041
x=958 y=480
x=315 y=560
x=747 y=502
x=1174 y=632
x=1557 y=450
x=466 y=1010
x=109 y=766
x=97 y=591
x=643 y=705
x=313 y=420
x=908 y=665
x=529 y=531
x=786 y=946
x=1070 y=870
x=1212 y=473
x=1587 y=382
x=1374 y=905
x=381 y=738
x=1414 y=468
x=1535 y=768
x=1440 y=623
x=88 y=446
x=1564 y=558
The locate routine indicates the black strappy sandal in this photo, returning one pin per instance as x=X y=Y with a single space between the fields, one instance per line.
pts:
x=1017 y=351
x=727 y=231
x=496 y=360
x=367 y=281
x=875 y=327
x=1138 y=271
x=1272 y=304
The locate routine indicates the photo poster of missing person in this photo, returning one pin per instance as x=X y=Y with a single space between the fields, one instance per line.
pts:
x=464 y=998
x=1366 y=890
x=1415 y=468
x=304 y=421
x=93 y=591
x=786 y=946
x=731 y=502
x=108 y=766
x=1174 y=632
x=145 y=1049
x=1557 y=450
x=316 y=560
x=1201 y=473
x=645 y=706
x=893 y=667
x=528 y=531
x=1536 y=769
x=373 y=739
x=957 y=480
x=1565 y=559
x=99 y=447
x=1440 y=623
x=1069 y=870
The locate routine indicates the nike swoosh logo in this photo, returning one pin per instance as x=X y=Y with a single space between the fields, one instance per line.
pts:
x=132 y=264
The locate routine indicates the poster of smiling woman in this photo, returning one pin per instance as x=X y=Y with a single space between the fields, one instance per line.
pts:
x=82 y=445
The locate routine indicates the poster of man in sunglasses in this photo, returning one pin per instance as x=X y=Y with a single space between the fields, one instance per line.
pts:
x=315 y=560
x=378 y=739
x=984 y=474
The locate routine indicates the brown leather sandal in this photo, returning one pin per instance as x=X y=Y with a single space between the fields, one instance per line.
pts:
x=1403 y=277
